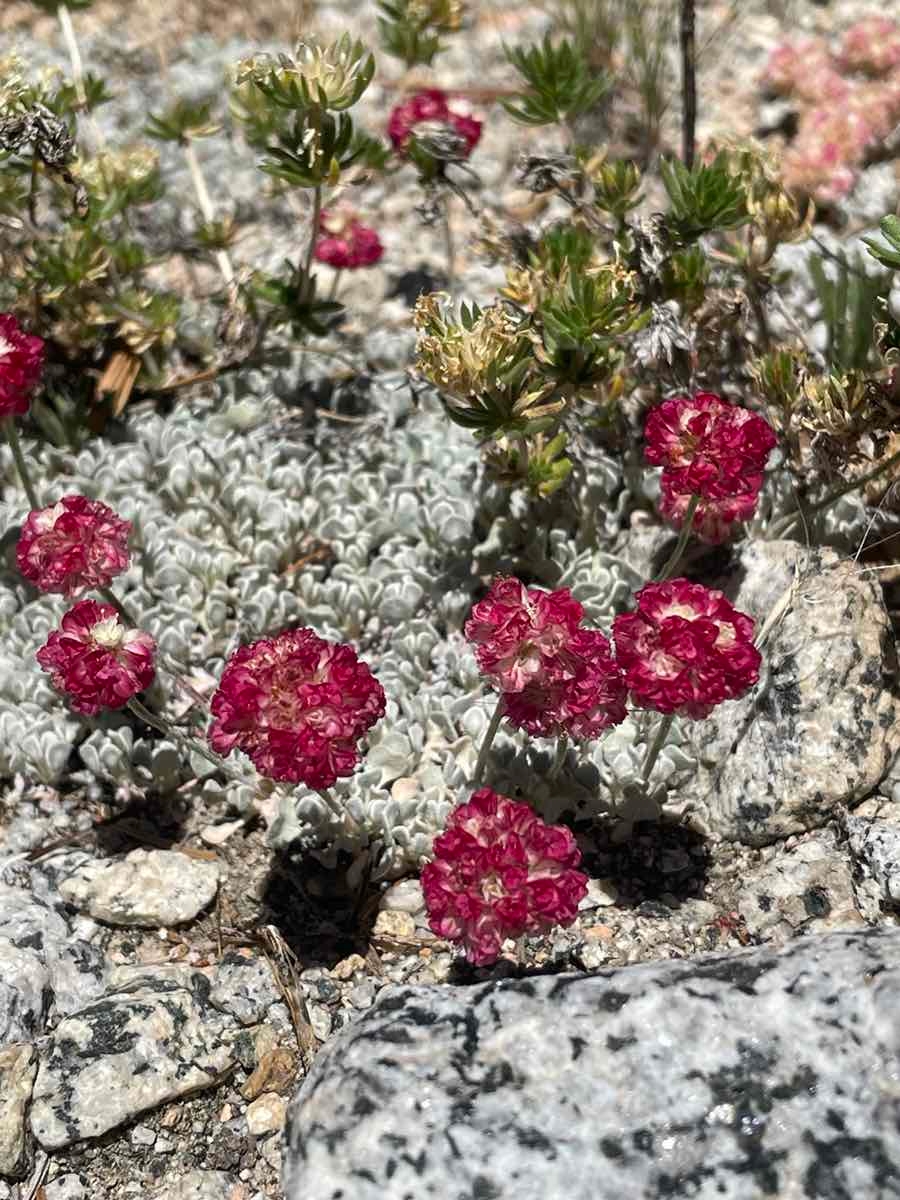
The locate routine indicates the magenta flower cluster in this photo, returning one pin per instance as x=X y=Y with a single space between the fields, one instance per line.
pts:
x=712 y=450
x=428 y=108
x=500 y=872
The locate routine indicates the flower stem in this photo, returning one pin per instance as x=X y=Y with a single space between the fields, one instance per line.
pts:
x=164 y=727
x=68 y=31
x=685 y=532
x=562 y=746
x=335 y=283
x=223 y=261
x=449 y=250
x=659 y=738
x=785 y=524
x=314 y=229
x=12 y=436
x=688 y=82
x=111 y=598
x=487 y=742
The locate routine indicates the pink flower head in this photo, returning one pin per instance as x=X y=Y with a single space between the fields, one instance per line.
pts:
x=498 y=872
x=685 y=649
x=714 y=520
x=587 y=699
x=346 y=244
x=872 y=45
x=796 y=65
x=431 y=107
x=708 y=448
x=521 y=635
x=73 y=545
x=95 y=661
x=296 y=705
x=21 y=363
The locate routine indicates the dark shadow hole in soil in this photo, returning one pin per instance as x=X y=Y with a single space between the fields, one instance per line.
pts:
x=323 y=913
x=410 y=285
x=661 y=866
x=152 y=823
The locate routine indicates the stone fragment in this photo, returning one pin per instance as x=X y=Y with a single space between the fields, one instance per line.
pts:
x=243 y=986
x=822 y=726
x=202 y=1185
x=266 y=1114
x=808 y=887
x=24 y=992
x=873 y=836
x=405 y=896
x=770 y=1072
x=45 y=969
x=65 y=1187
x=148 y=888
x=394 y=923
x=18 y=1065
x=154 y=1038
x=275 y=1072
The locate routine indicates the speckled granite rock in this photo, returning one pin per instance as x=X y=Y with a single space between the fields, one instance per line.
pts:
x=823 y=725
x=147 y=888
x=807 y=886
x=873 y=836
x=18 y=1064
x=723 y=1078
x=43 y=968
x=243 y=986
x=154 y=1038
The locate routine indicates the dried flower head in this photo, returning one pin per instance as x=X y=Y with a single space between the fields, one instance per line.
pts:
x=714 y=520
x=707 y=447
x=21 y=363
x=333 y=76
x=685 y=649
x=417 y=116
x=481 y=365
x=346 y=243
x=296 y=705
x=95 y=661
x=72 y=546
x=499 y=872
x=521 y=635
x=131 y=169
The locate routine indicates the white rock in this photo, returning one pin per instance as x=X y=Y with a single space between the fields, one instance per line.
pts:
x=823 y=725
x=266 y=1113
x=18 y=1065
x=148 y=888
x=202 y=1185
x=153 y=1039
x=65 y=1187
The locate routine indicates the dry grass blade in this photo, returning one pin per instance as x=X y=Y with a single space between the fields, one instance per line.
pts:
x=286 y=972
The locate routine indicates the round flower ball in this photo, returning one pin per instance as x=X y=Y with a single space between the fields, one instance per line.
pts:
x=585 y=703
x=72 y=546
x=499 y=872
x=21 y=363
x=296 y=705
x=95 y=661
x=714 y=520
x=685 y=649
x=522 y=635
x=346 y=244
x=707 y=447
x=431 y=107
